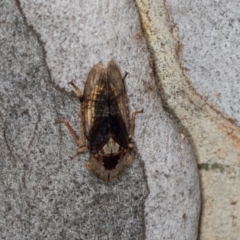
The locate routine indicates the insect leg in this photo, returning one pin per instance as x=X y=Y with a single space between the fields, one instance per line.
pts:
x=80 y=96
x=77 y=91
x=79 y=151
x=72 y=132
x=131 y=147
x=125 y=75
x=129 y=160
x=132 y=124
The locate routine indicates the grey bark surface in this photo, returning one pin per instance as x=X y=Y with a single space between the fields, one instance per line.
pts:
x=43 y=194
x=211 y=54
x=193 y=44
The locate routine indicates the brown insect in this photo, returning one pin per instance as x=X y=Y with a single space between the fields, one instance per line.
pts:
x=105 y=124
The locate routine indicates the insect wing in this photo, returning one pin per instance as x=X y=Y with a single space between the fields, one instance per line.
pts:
x=118 y=108
x=105 y=107
x=91 y=91
x=96 y=111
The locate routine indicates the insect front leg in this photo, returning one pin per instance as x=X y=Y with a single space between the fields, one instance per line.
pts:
x=77 y=91
x=80 y=96
x=132 y=123
x=125 y=75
